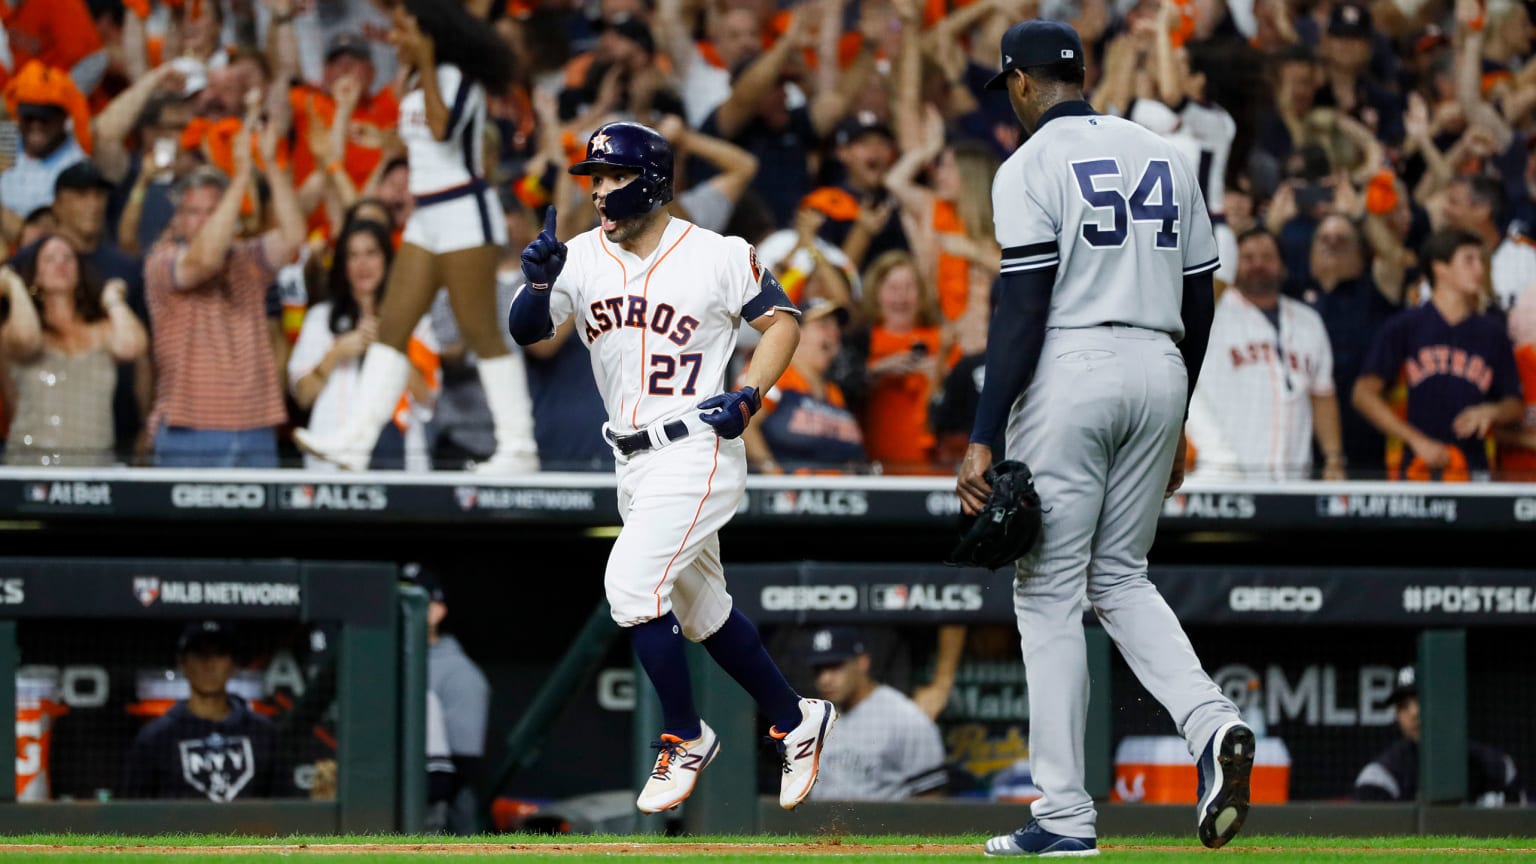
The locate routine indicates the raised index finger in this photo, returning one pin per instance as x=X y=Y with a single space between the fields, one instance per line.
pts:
x=549 y=220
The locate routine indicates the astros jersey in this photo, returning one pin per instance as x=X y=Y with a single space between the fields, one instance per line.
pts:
x=661 y=330
x=1117 y=209
x=1447 y=369
x=1251 y=415
x=438 y=165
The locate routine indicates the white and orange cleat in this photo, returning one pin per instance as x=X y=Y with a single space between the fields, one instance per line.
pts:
x=801 y=749
x=678 y=764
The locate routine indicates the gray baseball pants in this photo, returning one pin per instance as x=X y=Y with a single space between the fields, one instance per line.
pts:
x=1098 y=427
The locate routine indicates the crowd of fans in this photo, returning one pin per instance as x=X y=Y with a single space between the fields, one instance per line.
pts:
x=1369 y=166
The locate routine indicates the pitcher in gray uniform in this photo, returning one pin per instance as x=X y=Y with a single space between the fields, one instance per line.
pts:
x=1103 y=313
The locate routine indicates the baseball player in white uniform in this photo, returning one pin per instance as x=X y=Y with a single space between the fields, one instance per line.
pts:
x=658 y=302
x=1267 y=382
x=1103 y=310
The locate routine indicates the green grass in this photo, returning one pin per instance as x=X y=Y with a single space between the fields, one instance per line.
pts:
x=844 y=850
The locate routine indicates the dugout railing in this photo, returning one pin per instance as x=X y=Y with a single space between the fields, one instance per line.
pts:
x=380 y=675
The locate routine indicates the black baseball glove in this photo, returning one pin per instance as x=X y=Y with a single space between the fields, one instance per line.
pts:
x=1007 y=527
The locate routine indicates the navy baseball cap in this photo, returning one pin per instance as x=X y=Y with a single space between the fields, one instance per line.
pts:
x=1405 y=686
x=833 y=645
x=424 y=579
x=1037 y=42
x=1350 y=21
x=205 y=637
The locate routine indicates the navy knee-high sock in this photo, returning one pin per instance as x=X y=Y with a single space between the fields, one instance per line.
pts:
x=739 y=650
x=660 y=646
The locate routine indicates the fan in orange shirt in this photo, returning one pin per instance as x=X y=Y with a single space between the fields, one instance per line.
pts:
x=903 y=364
x=348 y=55
x=59 y=33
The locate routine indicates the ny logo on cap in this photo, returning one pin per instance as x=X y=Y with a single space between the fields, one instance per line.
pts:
x=1007 y=59
x=822 y=641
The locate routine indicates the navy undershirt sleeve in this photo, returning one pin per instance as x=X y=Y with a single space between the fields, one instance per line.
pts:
x=1197 y=311
x=1014 y=340
x=529 y=321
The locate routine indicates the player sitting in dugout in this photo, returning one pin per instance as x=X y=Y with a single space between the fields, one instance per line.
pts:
x=1492 y=780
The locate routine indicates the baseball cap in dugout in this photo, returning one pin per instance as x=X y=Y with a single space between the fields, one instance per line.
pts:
x=1405 y=686
x=205 y=637
x=1037 y=42
x=423 y=578
x=833 y=645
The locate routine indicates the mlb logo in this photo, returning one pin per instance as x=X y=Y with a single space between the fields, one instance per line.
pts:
x=1333 y=505
x=888 y=597
x=1175 y=506
x=37 y=493
x=466 y=496
x=1067 y=54
x=147 y=589
x=218 y=767
x=299 y=497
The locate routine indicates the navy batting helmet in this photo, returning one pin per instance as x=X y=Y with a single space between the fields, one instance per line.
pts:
x=634 y=147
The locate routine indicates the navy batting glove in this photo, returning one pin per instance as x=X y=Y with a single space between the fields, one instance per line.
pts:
x=544 y=258
x=733 y=411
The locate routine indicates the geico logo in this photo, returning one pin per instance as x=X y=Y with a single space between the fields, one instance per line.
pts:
x=1252 y=598
x=233 y=496
x=795 y=598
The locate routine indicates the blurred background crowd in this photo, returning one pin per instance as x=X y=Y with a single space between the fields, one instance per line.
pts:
x=852 y=141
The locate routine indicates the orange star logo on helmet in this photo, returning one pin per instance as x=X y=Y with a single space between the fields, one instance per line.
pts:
x=600 y=144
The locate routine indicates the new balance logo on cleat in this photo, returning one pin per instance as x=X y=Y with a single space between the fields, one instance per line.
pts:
x=805 y=742
x=678 y=764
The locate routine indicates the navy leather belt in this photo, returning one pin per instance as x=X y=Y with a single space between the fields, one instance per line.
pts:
x=639 y=442
x=473 y=187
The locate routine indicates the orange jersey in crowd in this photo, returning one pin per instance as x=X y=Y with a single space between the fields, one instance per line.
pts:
x=60 y=33
x=896 y=428
x=954 y=277
x=381 y=111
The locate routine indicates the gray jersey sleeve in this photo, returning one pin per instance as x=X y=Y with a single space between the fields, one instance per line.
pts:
x=1027 y=230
